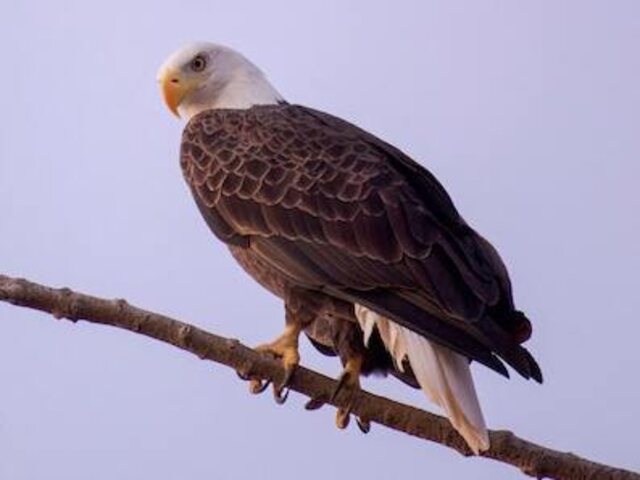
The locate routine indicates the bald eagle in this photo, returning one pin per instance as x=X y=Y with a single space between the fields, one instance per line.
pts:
x=364 y=245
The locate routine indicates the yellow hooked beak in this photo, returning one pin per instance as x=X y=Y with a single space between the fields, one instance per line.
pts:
x=174 y=89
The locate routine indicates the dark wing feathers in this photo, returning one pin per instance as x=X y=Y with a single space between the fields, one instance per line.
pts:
x=336 y=209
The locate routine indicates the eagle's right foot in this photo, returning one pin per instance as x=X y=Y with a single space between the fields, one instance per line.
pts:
x=286 y=348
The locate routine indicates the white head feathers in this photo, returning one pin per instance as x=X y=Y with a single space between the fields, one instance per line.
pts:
x=203 y=76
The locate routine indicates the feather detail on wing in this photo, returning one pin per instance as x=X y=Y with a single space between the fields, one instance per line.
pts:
x=443 y=375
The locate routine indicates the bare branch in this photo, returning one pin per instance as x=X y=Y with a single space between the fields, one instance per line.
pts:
x=534 y=460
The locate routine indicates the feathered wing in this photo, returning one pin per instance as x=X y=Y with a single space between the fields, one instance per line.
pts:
x=333 y=208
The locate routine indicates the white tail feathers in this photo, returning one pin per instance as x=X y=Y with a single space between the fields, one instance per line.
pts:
x=443 y=374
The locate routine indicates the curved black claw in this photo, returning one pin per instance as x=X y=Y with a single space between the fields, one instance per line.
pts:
x=363 y=424
x=258 y=386
x=315 y=403
x=280 y=394
x=242 y=376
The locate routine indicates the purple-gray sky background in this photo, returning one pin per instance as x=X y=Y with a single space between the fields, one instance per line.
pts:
x=528 y=112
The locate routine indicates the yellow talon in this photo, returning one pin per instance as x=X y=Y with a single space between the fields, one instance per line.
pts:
x=349 y=379
x=286 y=348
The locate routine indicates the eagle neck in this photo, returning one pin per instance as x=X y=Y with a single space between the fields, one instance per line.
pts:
x=242 y=91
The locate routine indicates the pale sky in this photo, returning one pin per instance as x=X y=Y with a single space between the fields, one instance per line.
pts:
x=528 y=112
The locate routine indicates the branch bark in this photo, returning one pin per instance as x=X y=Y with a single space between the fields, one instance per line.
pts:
x=532 y=459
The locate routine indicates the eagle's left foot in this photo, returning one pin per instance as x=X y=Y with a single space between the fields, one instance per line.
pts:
x=349 y=380
x=286 y=348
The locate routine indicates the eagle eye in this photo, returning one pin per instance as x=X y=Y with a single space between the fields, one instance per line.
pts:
x=198 y=63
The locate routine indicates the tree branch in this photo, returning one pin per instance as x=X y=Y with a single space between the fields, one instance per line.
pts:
x=534 y=460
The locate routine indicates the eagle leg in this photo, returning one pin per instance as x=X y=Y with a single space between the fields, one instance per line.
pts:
x=302 y=306
x=348 y=382
x=284 y=347
x=349 y=344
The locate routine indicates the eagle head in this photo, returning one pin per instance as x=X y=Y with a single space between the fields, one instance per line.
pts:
x=202 y=76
